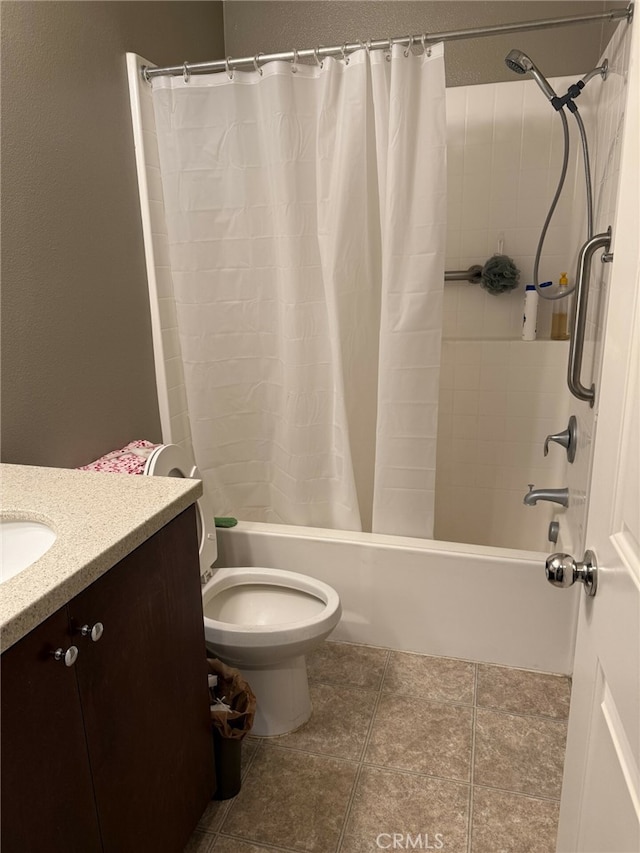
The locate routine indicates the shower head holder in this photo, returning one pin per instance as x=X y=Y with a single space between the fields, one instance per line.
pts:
x=574 y=90
x=568 y=100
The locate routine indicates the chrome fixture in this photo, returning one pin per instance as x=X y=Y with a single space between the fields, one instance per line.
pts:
x=522 y=64
x=554 y=531
x=556 y=496
x=92 y=631
x=602 y=70
x=567 y=439
x=563 y=571
x=69 y=656
x=473 y=275
x=519 y=62
x=318 y=53
x=579 y=316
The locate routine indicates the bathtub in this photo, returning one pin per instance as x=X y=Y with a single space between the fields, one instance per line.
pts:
x=485 y=604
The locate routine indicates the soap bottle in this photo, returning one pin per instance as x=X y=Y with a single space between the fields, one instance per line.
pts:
x=530 y=313
x=559 y=326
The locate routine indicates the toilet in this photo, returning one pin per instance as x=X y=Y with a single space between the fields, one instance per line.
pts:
x=261 y=621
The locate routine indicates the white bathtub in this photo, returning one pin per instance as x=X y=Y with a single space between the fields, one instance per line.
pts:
x=438 y=598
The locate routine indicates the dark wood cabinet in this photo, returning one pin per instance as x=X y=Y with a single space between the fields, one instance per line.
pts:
x=121 y=740
x=47 y=795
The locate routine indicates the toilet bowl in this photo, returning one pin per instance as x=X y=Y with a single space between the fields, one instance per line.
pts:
x=262 y=621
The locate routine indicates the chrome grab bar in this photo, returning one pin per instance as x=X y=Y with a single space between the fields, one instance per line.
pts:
x=579 y=316
x=473 y=275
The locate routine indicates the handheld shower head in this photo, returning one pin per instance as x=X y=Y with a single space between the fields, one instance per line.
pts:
x=519 y=62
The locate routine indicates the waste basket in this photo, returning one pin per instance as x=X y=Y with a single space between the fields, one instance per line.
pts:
x=233 y=707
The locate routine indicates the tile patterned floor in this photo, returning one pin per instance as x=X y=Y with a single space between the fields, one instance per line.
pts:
x=464 y=756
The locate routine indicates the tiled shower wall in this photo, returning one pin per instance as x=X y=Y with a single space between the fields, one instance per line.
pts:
x=500 y=396
x=498 y=401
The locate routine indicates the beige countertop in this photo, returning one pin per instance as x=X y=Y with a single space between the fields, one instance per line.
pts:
x=98 y=519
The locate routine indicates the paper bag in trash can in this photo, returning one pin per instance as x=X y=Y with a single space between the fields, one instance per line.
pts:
x=235 y=692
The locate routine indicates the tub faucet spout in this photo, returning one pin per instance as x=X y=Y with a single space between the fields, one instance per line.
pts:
x=558 y=496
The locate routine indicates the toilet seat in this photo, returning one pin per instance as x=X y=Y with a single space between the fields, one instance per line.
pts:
x=170 y=460
x=271 y=633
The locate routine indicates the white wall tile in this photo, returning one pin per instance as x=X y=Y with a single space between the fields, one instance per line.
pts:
x=490 y=439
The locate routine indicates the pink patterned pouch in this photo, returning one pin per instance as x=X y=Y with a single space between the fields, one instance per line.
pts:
x=131 y=459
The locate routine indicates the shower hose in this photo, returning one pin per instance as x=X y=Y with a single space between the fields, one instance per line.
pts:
x=563 y=173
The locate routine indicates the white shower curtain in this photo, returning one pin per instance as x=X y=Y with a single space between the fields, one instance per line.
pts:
x=306 y=216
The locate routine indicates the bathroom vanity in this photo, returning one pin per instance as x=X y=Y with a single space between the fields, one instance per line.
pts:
x=106 y=742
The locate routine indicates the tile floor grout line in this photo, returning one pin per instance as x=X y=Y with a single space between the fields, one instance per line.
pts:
x=347 y=811
x=519 y=793
x=376 y=704
x=473 y=760
x=266 y=844
x=564 y=720
x=420 y=773
x=315 y=754
x=448 y=703
x=450 y=657
x=363 y=752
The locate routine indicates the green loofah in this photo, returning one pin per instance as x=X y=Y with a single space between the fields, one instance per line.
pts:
x=221 y=521
x=499 y=274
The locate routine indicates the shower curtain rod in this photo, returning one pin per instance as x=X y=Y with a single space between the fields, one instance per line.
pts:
x=319 y=53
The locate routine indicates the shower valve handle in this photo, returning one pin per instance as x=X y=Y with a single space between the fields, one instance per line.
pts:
x=567 y=439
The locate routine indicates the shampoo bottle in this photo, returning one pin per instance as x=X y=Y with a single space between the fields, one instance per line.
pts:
x=530 y=314
x=559 y=326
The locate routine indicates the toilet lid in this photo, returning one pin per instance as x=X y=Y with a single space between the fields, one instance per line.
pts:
x=169 y=460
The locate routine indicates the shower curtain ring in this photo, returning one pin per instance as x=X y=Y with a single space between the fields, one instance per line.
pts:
x=425 y=49
x=320 y=62
x=186 y=72
x=368 y=45
x=343 y=51
x=255 y=63
x=228 y=70
x=409 y=46
x=387 y=55
x=294 y=62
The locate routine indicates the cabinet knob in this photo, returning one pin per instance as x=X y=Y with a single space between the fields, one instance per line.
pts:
x=93 y=631
x=69 y=656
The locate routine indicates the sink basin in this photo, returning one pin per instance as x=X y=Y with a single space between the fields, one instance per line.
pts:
x=22 y=542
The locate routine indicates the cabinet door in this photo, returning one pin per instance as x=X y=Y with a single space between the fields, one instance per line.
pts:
x=47 y=797
x=143 y=689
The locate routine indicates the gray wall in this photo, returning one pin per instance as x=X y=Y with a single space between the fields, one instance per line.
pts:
x=77 y=362
x=271 y=25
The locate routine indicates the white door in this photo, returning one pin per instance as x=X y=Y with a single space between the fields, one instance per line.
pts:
x=600 y=807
